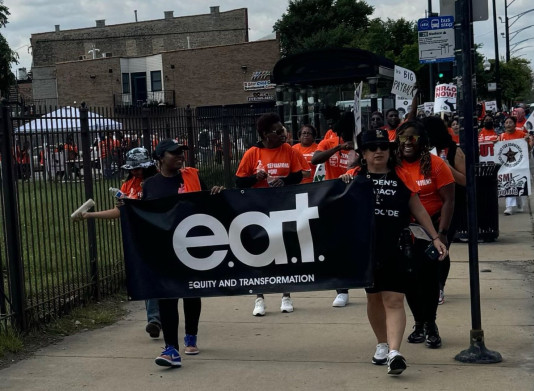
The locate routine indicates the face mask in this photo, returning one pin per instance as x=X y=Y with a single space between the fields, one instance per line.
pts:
x=488 y=125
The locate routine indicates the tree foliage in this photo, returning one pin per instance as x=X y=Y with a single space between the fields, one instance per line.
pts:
x=7 y=56
x=314 y=24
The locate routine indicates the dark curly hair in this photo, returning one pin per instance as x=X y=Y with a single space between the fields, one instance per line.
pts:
x=265 y=122
x=438 y=134
x=424 y=144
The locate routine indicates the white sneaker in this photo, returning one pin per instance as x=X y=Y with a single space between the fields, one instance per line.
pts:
x=341 y=300
x=508 y=211
x=381 y=354
x=287 y=304
x=259 y=307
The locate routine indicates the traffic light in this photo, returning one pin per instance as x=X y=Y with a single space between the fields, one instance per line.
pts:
x=445 y=74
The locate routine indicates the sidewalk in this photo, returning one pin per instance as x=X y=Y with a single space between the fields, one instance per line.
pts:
x=317 y=347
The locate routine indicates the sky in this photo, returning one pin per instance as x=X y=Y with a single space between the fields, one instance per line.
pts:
x=37 y=16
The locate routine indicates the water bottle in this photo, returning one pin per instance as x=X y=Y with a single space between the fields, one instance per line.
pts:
x=443 y=155
x=117 y=193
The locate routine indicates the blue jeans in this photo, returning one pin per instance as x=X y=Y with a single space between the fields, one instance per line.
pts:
x=152 y=311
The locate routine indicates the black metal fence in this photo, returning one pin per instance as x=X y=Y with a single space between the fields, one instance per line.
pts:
x=52 y=164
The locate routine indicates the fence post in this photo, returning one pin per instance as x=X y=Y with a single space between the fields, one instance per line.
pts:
x=228 y=182
x=147 y=139
x=12 y=221
x=190 y=136
x=88 y=186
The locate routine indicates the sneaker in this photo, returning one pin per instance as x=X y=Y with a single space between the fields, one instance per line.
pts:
x=508 y=211
x=153 y=329
x=519 y=209
x=396 y=365
x=287 y=304
x=259 y=307
x=190 y=345
x=341 y=300
x=381 y=354
x=441 y=298
x=418 y=334
x=432 y=338
x=169 y=358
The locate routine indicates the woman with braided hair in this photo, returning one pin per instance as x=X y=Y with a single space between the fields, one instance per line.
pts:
x=436 y=184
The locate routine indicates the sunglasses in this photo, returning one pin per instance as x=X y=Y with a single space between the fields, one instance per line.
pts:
x=375 y=147
x=279 y=132
x=412 y=138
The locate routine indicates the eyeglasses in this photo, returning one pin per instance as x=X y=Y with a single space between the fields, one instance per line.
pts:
x=374 y=147
x=412 y=138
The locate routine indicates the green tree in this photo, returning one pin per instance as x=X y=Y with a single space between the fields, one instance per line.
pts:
x=7 y=56
x=317 y=24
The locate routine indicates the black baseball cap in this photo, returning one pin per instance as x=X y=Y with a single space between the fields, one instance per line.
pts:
x=169 y=145
x=378 y=136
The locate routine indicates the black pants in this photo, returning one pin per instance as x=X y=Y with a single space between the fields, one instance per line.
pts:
x=422 y=291
x=168 y=313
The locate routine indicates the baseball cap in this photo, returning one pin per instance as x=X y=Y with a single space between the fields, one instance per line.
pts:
x=169 y=145
x=377 y=136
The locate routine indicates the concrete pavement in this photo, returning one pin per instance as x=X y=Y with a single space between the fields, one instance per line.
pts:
x=317 y=347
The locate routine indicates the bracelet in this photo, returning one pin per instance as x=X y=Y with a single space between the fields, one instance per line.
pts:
x=437 y=237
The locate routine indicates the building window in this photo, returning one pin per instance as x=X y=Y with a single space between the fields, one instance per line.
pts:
x=125 y=83
x=155 y=80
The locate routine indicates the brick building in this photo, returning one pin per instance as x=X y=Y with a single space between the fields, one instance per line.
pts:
x=217 y=75
x=126 y=44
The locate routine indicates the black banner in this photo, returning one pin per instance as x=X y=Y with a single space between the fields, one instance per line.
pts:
x=315 y=236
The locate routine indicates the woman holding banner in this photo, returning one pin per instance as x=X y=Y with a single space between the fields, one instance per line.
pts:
x=173 y=179
x=396 y=199
x=512 y=132
x=272 y=162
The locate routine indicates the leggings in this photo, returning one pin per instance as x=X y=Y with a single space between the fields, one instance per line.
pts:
x=168 y=312
x=422 y=291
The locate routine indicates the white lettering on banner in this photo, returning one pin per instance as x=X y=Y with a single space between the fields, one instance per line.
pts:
x=272 y=224
x=271 y=280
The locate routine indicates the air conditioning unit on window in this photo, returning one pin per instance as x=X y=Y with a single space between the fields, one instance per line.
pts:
x=107 y=54
x=84 y=57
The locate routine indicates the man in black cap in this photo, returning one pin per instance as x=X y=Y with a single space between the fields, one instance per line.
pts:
x=172 y=179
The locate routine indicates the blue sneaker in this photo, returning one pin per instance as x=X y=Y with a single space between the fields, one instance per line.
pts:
x=169 y=358
x=190 y=345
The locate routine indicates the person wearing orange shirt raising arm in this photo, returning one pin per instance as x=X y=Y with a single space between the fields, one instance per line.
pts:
x=270 y=163
x=488 y=134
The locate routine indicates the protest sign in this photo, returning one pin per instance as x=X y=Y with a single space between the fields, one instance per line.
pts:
x=445 y=98
x=404 y=83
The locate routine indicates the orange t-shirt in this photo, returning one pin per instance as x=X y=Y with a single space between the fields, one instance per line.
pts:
x=520 y=125
x=277 y=162
x=486 y=135
x=401 y=172
x=132 y=188
x=455 y=137
x=329 y=134
x=307 y=152
x=337 y=164
x=440 y=176
x=517 y=134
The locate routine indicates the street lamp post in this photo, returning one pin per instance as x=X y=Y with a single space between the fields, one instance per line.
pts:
x=507 y=25
x=497 y=60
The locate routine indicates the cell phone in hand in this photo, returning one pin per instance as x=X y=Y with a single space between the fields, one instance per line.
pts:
x=432 y=252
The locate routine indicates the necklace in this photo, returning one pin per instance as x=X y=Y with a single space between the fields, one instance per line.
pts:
x=378 y=191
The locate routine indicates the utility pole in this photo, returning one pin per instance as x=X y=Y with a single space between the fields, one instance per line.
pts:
x=506 y=28
x=497 y=60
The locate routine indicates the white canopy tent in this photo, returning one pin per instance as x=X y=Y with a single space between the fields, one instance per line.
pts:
x=67 y=119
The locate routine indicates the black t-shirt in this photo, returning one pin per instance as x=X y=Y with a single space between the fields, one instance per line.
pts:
x=392 y=214
x=159 y=186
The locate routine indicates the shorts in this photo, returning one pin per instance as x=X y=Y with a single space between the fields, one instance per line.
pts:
x=391 y=278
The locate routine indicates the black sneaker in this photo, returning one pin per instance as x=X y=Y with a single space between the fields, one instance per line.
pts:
x=432 y=338
x=418 y=334
x=153 y=329
x=396 y=365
